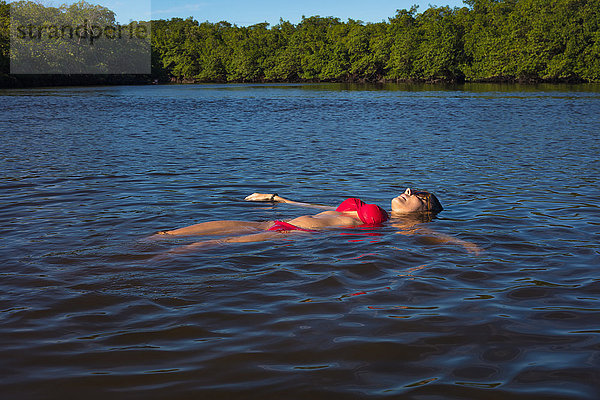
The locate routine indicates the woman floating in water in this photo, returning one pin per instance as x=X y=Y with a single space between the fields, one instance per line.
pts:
x=408 y=210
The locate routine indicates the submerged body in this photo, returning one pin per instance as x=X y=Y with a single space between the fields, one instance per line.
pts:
x=327 y=219
x=314 y=223
x=308 y=223
x=352 y=212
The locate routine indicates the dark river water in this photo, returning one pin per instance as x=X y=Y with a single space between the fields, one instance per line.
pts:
x=88 y=310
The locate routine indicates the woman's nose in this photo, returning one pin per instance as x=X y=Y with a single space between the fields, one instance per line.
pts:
x=408 y=192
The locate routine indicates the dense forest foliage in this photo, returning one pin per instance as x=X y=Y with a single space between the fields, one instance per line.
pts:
x=500 y=40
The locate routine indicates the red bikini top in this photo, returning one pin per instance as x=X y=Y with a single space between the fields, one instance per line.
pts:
x=370 y=214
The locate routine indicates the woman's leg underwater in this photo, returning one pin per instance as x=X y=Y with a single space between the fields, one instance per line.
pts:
x=255 y=237
x=206 y=244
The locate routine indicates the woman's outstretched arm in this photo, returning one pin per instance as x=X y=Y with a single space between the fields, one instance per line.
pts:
x=433 y=237
x=442 y=238
x=274 y=197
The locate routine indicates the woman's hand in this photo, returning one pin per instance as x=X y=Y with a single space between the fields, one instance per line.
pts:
x=470 y=247
x=473 y=248
x=261 y=197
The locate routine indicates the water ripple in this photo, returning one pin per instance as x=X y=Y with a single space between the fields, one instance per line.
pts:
x=341 y=314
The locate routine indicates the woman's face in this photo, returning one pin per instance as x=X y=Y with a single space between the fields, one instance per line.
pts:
x=408 y=202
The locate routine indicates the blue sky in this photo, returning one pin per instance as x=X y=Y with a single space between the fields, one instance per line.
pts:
x=244 y=13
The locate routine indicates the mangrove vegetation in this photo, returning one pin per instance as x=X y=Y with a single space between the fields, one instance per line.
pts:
x=486 y=40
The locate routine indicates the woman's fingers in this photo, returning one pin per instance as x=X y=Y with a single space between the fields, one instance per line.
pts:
x=473 y=248
x=252 y=197
x=258 y=197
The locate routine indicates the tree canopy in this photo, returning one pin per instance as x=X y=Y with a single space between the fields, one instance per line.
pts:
x=502 y=40
x=499 y=40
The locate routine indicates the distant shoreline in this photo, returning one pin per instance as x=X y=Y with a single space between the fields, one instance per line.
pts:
x=38 y=81
x=488 y=42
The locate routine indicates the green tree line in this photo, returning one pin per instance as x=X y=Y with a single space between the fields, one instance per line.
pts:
x=486 y=40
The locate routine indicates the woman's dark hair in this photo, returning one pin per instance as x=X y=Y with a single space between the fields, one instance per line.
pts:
x=432 y=204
